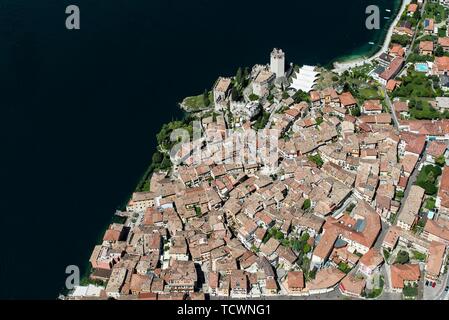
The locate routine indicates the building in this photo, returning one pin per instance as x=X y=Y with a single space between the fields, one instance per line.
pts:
x=435 y=231
x=140 y=201
x=295 y=282
x=116 y=281
x=442 y=202
x=404 y=274
x=409 y=214
x=391 y=71
x=435 y=260
x=444 y=43
x=262 y=82
x=429 y=26
x=370 y=262
x=352 y=286
x=372 y=107
x=426 y=48
x=325 y=281
x=277 y=63
x=412 y=8
x=221 y=92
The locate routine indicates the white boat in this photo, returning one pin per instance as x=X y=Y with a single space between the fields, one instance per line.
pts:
x=371 y=43
x=388 y=10
x=388 y=18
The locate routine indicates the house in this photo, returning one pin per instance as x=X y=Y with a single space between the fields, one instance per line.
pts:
x=213 y=282
x=294 y=282
x=434 y=150
x=370 y=262
x=221 y=92
x=325 y=281
x=404 y=28
x=441 y=65
x=269 y=248
x=391 y=71
x=371 y=107
x=402 y=108
x=444 y=43
x=347 y=100
x=140 y=201
x=392 y=85
x=239 y=284
x=412 y=8
x=181 y=276
x=429 y=26
x=426 y=48
x=404 y=274
x=435 y=260
x=352 y=286
x=436 y=231
x=442 y=202
x=262 y=82
x=408 y=215
x=396 y=50
x=116 y=282
x=442 y=104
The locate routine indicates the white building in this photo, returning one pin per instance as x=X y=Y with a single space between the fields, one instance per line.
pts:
x=277 y=62
x=305 y=79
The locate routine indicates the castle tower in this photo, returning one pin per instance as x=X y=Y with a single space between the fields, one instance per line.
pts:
x=277 y=63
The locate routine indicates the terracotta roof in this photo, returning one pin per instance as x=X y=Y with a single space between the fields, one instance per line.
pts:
x=412 y=7
x=392 y=69
x=437 y=251
x=434 y=228
x=325 y=278
x=444 y=42
x=415 y=143
x=346 y=99
x=397 y=50
x=353 y=285
x=392 y=84
x=443 y=193
x=372 y=105
x=295 y=279
x=372 y=258
x=426 y=45
x=111 y=235
x=442 y=63
x=401 y=106
x=436 y=149
x=404 y=272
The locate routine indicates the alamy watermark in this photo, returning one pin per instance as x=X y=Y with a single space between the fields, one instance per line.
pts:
x=372 y=22
x=72 y=22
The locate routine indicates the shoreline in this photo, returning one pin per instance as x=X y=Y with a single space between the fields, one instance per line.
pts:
x=341 y=66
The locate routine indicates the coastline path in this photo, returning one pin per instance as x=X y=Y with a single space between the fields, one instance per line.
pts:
x=340 y=67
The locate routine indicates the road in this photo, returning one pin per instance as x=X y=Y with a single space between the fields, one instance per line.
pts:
x=391 y=107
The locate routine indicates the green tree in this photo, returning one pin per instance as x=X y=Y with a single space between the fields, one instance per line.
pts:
x=157 y=157
x=307 y=248
x=402 y=257
x=439 y=52
x=253 y=97
x=307 y=204
x=206 y=99
x=441 y=160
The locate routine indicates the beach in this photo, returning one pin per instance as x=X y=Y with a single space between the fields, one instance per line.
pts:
x=340 y=67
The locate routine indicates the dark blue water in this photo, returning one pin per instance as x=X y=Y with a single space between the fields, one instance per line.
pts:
x=79 y=110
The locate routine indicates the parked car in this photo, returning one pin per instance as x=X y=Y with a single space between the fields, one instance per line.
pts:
x=446 y=289
x=434 y=284
x=427 y=283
